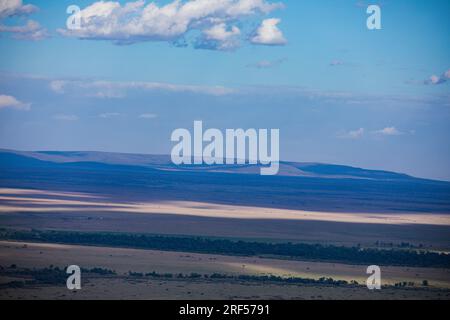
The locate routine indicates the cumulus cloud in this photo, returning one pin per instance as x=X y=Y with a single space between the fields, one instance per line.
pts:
x=389 y=131
x=10 y=8
x=65 y=117
x=32 y=30
x=109 y=89
x=434 y=79
x=141 y=21
x=11 y=102
x=268 y=33
x=354 y=134
x=220 y=37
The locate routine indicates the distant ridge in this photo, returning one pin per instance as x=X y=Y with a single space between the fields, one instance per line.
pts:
x=163 y=162
x=299 y=186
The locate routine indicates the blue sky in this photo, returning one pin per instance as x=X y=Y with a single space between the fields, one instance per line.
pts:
x=337 y=91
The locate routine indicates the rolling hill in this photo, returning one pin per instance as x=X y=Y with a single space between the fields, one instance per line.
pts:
x=163 y=162
x=305 y=186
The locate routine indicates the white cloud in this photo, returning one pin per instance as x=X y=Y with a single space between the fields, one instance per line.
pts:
x=389 y=131
x=148 y=116
x=9 y=8
x=141 y=21
x=109 y=89
x=57 y=85
x=354 y=134
x=32 y=30
x=220 y=37
x=11 y=102
x=88 y=87
x=268 y=33
x=108 y=93
x=219 y=32
x=65 y=117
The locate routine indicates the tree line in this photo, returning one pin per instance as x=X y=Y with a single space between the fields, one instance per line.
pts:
x=288 y=250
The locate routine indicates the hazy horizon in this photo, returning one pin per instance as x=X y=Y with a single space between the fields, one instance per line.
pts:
x=168 y=156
